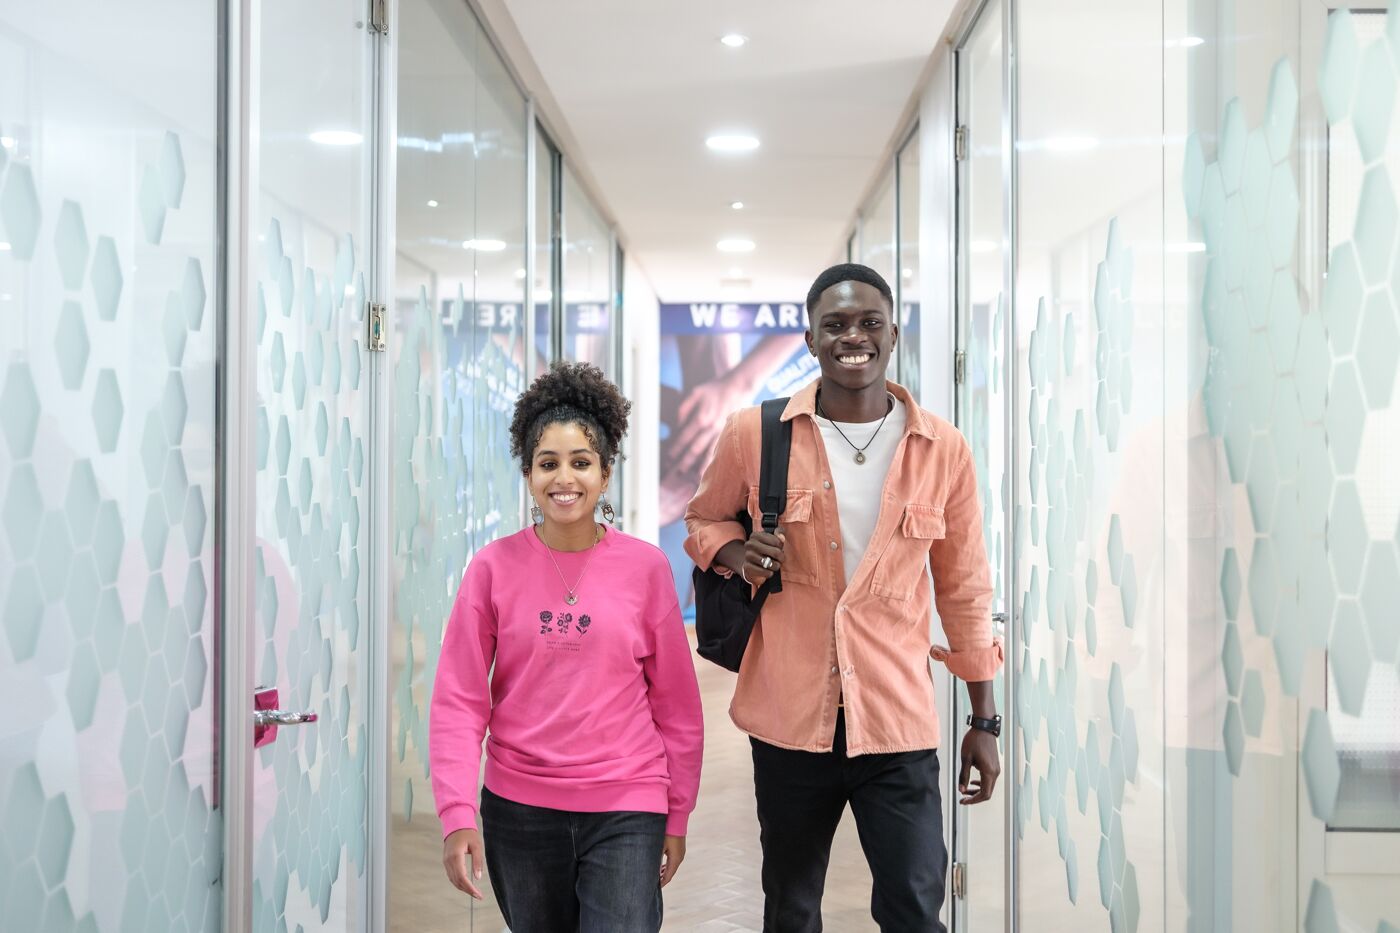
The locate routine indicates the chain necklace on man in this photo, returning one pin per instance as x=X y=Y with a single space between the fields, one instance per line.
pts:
x=860 y=451
x=571 y=592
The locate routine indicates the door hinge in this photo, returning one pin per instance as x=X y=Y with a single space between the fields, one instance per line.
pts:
x=375 y=341
x=379 y=16
x=959 y=880
x=960 y=367
x=960 y=143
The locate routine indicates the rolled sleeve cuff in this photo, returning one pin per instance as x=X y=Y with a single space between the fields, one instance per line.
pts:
x=973 y=665
x=677 y=824
x=705 y=543
x=457 y=816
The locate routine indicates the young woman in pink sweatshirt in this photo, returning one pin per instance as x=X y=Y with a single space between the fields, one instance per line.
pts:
x=566 y=652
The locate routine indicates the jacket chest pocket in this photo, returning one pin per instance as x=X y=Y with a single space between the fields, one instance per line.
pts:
x=905 y=560
x=800 y=557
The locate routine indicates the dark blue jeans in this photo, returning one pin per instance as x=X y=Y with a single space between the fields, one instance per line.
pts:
x=899 y=815
x=556 y=871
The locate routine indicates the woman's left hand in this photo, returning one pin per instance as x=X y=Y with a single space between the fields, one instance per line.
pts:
x=672 y=854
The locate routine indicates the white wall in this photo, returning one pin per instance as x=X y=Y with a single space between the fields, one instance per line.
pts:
x=642 y=384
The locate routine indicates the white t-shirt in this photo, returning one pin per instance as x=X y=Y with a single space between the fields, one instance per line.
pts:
x=861 y=486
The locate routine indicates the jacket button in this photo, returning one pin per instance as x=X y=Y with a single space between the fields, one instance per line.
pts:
x=826 y=484
x=833 y=670
x=834 y=545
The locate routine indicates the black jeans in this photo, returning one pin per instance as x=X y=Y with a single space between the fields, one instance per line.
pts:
x=556 y=871
x=899 y=816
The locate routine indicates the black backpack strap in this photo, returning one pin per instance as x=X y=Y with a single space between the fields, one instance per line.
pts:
x=773 y=465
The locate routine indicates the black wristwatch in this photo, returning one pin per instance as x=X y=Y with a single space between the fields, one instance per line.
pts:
x=992 y=725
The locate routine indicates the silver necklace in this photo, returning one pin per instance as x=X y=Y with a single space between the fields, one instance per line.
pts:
x=571 y=592
x=860 y=451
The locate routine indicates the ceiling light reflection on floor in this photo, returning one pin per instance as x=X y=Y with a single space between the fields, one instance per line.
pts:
x=484 y=246
x=734 y=40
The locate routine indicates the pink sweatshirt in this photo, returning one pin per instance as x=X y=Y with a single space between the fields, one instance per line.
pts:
x=591 y=707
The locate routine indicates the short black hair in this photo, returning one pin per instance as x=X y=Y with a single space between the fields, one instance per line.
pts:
x=570 y=393
x=848 y=272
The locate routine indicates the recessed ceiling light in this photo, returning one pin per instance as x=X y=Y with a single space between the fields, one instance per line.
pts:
x=484 y=246
x=520 y=273
x=736 y=205
x=1067 y=144
x=908 y=273
x=735 y=246
x=7 y=141
x=732 y=143
x=432 y=204
x=336 y=137
x=4 y=247
x=734 y=40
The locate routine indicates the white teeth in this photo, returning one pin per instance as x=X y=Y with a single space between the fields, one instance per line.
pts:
x=565 y=497
x=855 y=360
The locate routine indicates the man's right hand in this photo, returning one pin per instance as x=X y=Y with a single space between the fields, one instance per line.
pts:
x=457 y=848
x=760 y=546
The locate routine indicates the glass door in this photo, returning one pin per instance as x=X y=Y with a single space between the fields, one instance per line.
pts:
x=310 y=243
x=109 y=634
x=979 y=835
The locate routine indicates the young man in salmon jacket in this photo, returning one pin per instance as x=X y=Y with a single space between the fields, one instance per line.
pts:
x=835 y=690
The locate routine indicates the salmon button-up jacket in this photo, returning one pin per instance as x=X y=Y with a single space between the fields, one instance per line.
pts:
x=864 y=642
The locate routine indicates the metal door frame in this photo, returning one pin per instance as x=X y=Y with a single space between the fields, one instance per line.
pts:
x=235 y=483
x=967 y=26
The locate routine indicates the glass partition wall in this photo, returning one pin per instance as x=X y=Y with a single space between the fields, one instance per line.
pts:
x=886 y=238
x=109 y=256
x=492 y=229
x=1176 y=235
x=219 y=505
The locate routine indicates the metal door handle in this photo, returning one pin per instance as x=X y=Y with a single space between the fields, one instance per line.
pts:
x=267 y=717
x=278 y=717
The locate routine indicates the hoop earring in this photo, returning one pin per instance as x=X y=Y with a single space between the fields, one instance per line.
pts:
x=609 y=515
x=536 y=514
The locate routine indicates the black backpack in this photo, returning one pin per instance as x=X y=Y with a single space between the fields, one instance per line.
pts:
x=725 y=612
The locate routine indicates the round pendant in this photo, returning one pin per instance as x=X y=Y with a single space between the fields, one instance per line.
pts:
x=571 y=599
x=860 y=457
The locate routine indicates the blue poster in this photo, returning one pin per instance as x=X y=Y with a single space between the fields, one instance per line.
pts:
x=715 y=359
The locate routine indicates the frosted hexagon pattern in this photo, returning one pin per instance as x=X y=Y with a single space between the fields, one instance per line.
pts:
x=1069 y=442
x=72 y=540
x=308 y=587
x=1321 y=770
x=19 y=211
x=1329 y=368
x=71 y=345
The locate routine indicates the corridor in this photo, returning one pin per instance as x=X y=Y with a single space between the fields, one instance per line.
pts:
x=718 y=888
x=276 y=274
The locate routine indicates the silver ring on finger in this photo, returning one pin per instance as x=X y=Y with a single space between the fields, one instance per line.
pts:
x=766 y=563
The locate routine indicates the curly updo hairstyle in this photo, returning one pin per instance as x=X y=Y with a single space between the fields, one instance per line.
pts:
x=570 y=393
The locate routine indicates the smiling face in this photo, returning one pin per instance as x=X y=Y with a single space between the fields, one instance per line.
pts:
x=852 y=335
x=566 y=475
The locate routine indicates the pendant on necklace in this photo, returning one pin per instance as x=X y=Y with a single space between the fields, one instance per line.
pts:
x=571 y=599
x=860 y=456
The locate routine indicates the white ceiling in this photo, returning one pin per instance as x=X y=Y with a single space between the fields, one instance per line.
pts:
x=822 y=83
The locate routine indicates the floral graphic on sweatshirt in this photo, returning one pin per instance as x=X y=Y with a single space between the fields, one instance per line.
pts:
x=545 y=619
x=564 y=621
x=583 y=623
